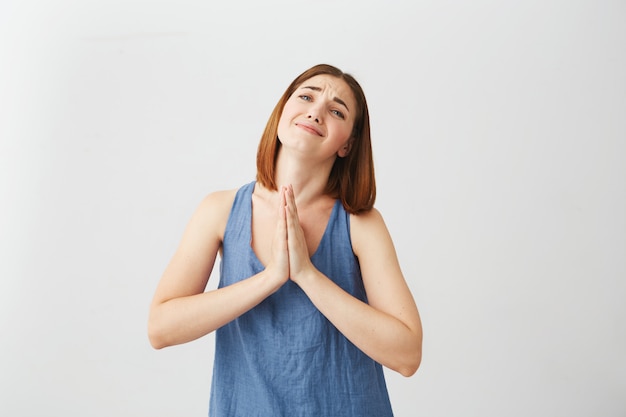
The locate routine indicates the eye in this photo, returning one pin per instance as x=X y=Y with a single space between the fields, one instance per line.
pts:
x=338 y=114
x=305 y=97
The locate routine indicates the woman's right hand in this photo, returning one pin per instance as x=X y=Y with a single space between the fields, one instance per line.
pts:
x=278 y=267
x=182 y=310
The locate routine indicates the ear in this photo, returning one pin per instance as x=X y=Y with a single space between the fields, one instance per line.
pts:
x=345 y=149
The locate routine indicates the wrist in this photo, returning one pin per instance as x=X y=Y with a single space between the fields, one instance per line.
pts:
x=305 y=276
x=273 y=279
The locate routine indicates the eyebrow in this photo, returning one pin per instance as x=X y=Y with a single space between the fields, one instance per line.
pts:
x=335 y=99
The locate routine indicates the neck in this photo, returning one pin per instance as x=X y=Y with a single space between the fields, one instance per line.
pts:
x=307 y=178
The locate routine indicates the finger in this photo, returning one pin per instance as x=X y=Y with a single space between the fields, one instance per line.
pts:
x=292 y=212
x=281 y=226
x=295 y=234
x=292 y=199
x=291 y=204
x=281 y=203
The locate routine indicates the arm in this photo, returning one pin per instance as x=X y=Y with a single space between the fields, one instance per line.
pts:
x=181 y=311
x=388 y=329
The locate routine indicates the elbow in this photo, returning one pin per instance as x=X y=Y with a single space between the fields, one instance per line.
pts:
x=155 y=342
x=413 y=359
x=156 y=336
x=411 y=362
x=159 y=330
x=410 y=367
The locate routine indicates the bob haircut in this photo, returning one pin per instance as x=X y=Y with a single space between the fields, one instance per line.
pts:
x=351 y=178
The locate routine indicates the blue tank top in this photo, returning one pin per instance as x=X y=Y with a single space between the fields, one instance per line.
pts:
x=283 y=357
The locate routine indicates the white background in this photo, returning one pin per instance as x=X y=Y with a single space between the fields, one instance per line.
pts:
x=499 y=134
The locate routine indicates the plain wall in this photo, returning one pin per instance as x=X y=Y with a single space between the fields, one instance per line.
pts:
x=499 y=134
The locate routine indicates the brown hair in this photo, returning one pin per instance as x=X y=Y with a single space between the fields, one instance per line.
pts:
x=351 y=178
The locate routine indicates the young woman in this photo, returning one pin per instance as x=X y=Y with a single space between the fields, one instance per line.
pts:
x=311 y=299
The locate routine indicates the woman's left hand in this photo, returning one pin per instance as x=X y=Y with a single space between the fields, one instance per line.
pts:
x=299 y=259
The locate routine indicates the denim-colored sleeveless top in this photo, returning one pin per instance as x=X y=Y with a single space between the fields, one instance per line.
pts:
x=283 y=357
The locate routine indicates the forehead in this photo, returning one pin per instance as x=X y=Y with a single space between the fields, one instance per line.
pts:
x=334 y=86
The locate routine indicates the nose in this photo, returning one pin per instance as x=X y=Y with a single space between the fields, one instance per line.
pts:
x=314 y=113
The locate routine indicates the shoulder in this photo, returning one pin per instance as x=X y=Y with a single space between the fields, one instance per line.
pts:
x=378 y=260
x=367 y=228
x=219 y=200
x=367 y=220
x=213 y=211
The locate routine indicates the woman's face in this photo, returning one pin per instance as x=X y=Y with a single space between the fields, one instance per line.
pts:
x=318 y=118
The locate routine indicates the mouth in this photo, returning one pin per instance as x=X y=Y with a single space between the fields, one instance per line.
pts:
x=309 y=128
